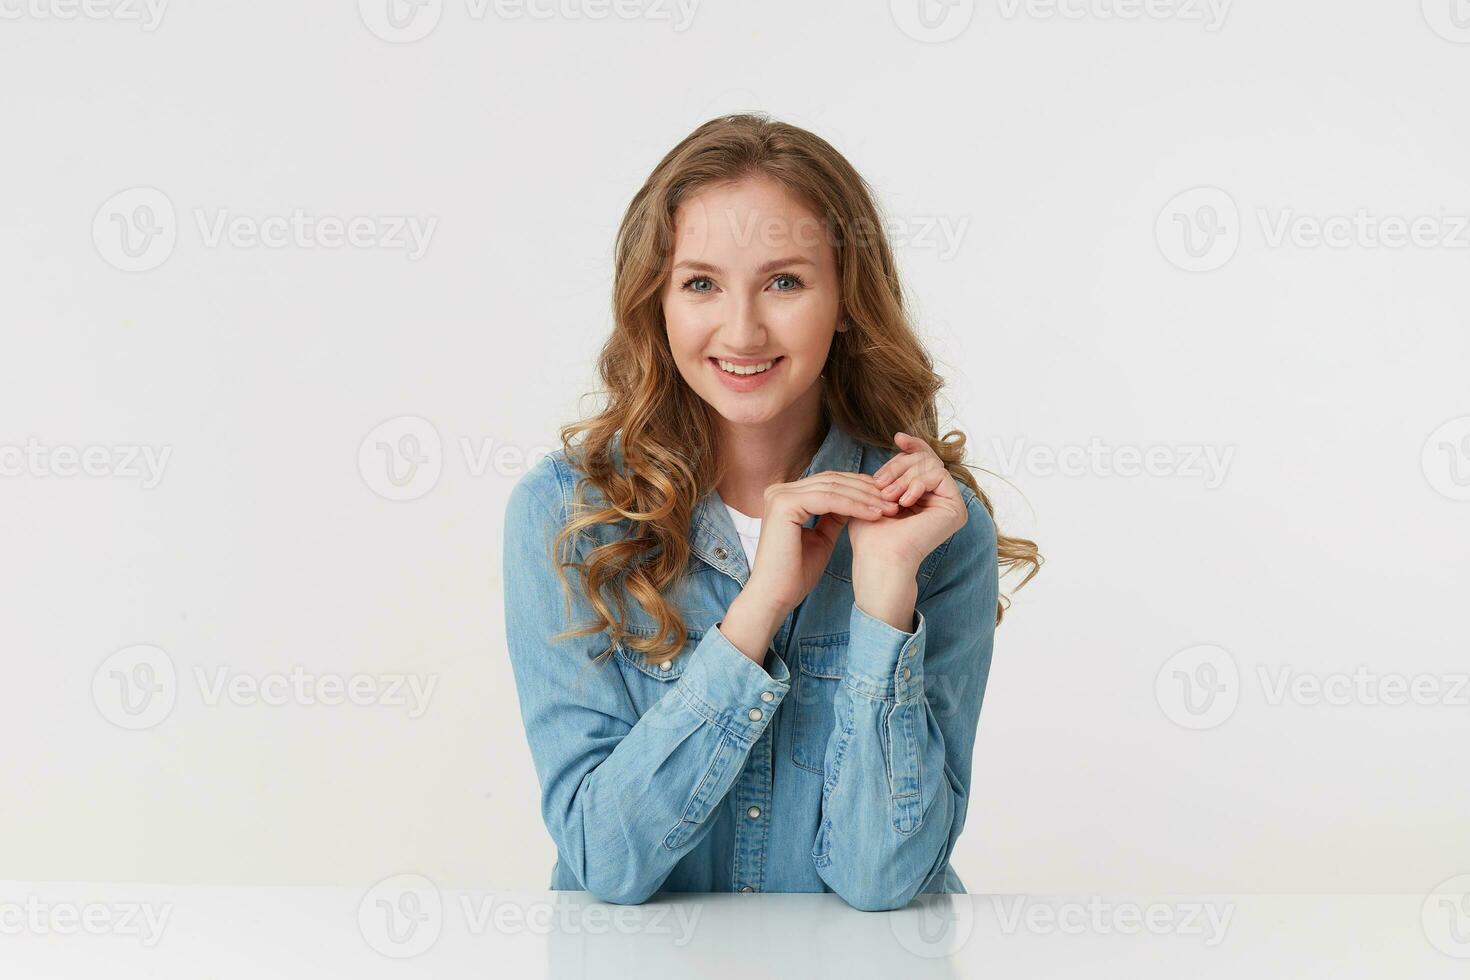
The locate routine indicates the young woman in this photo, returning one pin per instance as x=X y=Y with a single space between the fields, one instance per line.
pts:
x=786 y=584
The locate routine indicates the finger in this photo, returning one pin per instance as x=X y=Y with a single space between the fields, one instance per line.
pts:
x=918 y=482
x=840 y=500
x=858 y=482
x=908 y=464
x=908 y=448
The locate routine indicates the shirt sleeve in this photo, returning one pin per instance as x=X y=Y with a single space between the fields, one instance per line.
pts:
x=897 y=765
x=624 y=797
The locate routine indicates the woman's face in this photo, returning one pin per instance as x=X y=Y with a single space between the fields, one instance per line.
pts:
x=754 y=285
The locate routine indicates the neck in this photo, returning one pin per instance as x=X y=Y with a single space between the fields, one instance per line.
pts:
x=776 y=451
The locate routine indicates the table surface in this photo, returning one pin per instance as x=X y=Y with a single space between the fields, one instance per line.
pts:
x=404 y=926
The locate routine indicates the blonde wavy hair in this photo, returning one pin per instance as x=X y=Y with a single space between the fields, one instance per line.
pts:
x=878 y=378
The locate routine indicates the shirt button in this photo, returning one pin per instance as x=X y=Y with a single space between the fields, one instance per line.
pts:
x=747 y=888
x=753 y=812
x=721 y=554
x=767 y=696
x=907 y=673
x=666 y=665
x=755 y=714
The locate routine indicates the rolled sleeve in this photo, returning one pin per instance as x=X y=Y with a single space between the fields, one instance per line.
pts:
x=730 y=690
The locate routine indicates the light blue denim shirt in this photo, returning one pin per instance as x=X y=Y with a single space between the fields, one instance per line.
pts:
x=841 y=764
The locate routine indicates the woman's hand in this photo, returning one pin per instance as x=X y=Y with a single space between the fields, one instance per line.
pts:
x=932 y=509
x=790 y=558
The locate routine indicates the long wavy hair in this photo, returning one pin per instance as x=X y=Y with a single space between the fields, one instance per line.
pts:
x=878 y=378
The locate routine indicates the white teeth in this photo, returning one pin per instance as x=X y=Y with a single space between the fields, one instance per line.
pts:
x=744 y=369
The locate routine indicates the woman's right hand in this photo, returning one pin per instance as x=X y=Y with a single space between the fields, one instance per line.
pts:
x=790 y=558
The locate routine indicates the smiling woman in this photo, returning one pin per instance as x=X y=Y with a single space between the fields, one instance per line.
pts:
x=762 y=377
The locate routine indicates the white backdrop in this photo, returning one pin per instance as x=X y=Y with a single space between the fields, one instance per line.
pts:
x=294 y=292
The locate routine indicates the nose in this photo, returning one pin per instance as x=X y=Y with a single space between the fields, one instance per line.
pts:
x=743 y=329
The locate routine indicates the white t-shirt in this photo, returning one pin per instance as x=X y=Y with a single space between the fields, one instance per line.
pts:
x=749 y=529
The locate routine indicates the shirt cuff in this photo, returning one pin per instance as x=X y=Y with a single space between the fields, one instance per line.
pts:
x=884 y=662
x=729 y=689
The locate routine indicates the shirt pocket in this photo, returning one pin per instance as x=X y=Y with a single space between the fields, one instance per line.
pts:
x=821 y=663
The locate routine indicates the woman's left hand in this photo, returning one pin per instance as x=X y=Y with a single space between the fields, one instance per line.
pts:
x=930 y=508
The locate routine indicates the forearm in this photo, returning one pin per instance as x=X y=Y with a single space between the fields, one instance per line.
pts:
x=887 y=802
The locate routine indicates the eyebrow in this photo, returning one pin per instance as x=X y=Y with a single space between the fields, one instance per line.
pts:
x=770 y=266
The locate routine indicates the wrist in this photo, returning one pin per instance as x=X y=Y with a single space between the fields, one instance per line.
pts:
x=886 y=592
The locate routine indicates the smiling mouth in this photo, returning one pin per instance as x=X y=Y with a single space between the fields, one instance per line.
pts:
x=745 y=370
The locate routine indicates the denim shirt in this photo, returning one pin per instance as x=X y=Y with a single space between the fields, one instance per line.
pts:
x=841 y=763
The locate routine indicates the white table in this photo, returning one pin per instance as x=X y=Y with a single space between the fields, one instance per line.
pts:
x=404 y=927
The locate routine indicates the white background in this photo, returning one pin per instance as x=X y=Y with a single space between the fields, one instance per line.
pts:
x=1054 y=150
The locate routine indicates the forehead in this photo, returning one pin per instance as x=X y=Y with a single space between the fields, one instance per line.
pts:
x=753 y=218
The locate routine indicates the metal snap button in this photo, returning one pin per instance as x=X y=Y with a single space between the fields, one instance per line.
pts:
x=747 y=888
x=666 y=665
x=755 y=714
x=721 y=554
x=753 y=812
x=907 y=673
x=767 y=696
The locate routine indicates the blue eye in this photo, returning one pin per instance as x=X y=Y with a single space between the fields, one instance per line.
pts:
x=688 y=283
x=795 y=279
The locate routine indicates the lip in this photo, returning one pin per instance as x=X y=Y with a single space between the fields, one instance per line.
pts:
x=749 y=382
